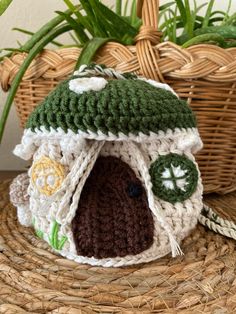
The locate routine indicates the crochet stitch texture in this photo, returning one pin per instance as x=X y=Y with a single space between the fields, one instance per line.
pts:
x=113 y=180
x=121 y=106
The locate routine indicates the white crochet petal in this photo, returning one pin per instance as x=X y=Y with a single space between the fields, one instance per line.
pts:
x=178 y=171
x=85 y=84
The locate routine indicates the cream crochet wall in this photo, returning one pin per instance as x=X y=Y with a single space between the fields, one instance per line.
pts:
x=30 y=14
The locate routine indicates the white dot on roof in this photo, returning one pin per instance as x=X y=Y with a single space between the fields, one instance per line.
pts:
x=85 y=84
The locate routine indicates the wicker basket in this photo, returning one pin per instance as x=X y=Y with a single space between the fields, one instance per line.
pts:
x=204 y=75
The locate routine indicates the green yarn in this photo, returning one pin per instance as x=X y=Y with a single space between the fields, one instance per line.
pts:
x=127 y=106
x=54 y=240
x=39 y=233
x=168 y=163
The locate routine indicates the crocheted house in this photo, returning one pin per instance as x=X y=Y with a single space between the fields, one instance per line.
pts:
x=113 y=180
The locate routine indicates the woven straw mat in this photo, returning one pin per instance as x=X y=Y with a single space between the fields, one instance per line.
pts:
x=33 y=279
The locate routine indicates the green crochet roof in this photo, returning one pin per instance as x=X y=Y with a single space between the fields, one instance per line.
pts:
x=127 y=106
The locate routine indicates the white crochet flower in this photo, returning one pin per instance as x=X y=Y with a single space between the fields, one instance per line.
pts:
x=85 y=84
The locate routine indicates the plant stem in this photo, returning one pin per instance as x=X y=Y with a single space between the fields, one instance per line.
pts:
x=32 y=54
x=227 y=12
x=89 y=50
x=205 y=38
x=25 y=31
x=81 y=18
x=118 y=6
x=43 y=31
x=230 y=20
x=4 y=4
x=208 y=14
x=8 y=55
x=189 y=22
x=228 y=32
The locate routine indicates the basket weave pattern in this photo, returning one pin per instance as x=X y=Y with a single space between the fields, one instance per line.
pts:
x=33 y=279
x=204 y=75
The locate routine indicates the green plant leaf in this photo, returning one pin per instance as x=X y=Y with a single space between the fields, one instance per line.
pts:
x=77 y=27
x=174 y=28
x=118 y=6
x=214 y=20
x=218 y=13
x=170 y=21
x=227 y=12
x=25 y=31
x=73 y=37
x=231 y=20
x=189 y=26
x=230 y=44
x=82 y=19
x=121 y=25
x=166 y=6
x=7 y=55
x=209 y=38
x=109 y=29
x=125 y=8
x=4 y=4
x=89 y=50
x=208 y=14
x=44 y=30
x=168 y=27
x=13 y=49
x=182 y=11
x=37 y=48
x=133 y=12
x=138 y=22
x=200 y=7
x=228 y=31
x=88 y=7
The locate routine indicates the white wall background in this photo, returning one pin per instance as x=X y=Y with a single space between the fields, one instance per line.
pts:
x=31 y=14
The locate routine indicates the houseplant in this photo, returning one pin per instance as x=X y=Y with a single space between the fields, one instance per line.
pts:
x=203 y=74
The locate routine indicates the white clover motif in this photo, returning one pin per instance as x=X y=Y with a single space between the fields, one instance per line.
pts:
x=174 y=177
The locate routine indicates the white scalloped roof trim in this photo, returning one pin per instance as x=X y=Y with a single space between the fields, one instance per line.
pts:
x=159 y=85
x=186 y=139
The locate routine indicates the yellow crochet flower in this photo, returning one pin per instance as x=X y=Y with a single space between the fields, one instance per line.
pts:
x=47 y=175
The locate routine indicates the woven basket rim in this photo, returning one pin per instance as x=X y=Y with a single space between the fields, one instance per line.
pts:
x=147 y=42
x=50 y=59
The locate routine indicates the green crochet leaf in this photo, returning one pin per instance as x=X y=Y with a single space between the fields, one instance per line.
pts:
x=54 y=240
x=39 y=233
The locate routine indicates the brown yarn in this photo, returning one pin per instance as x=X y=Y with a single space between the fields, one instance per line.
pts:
x=113 y=217
x=204 y=75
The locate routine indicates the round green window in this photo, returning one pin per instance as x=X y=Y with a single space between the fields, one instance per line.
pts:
x=174 y=178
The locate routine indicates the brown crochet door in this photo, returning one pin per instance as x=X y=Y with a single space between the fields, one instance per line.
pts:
x=113 y=218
